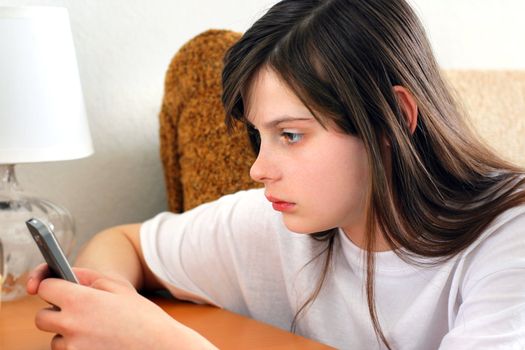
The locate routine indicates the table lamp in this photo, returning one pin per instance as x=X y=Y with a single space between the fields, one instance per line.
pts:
x=42 y=118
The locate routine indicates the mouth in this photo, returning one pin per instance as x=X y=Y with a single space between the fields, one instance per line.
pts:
x=280 y=205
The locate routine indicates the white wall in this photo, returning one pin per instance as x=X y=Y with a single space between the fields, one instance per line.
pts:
x=123 y=50
x=475 y=33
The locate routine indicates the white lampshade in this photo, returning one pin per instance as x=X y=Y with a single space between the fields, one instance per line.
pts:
x=42 y=113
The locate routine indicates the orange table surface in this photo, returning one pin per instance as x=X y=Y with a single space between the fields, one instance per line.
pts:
x=223 y=328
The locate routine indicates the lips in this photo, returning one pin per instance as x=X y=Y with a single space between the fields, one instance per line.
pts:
x=280 y=205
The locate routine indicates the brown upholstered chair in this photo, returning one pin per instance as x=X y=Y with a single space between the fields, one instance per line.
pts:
x=201 y=161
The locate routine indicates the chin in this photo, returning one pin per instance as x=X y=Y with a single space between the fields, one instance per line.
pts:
x=299 y=225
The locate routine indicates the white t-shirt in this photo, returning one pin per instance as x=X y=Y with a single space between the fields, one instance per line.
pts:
x=236 y=253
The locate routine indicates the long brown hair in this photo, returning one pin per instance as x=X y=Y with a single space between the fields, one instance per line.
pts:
x=342 y=58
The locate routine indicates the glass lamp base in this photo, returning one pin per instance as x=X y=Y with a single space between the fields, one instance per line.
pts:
x=20 y=253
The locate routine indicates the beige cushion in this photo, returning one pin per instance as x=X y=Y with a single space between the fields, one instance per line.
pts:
x=495 y=103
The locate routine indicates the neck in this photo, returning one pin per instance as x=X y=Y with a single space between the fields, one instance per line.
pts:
x=357 y=236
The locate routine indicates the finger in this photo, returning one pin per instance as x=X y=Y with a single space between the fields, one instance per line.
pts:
x=86 y=276
x=59 y=292
x=97 y=280
x=48 y=320
x=113 y=285
x=58 y=342
x=36 y=276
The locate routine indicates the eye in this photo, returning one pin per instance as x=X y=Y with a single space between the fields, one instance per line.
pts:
x=291 y=137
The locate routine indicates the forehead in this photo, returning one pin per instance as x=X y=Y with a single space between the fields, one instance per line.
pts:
x=268 y=96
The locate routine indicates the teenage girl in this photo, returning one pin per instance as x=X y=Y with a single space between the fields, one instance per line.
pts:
x=384 y=223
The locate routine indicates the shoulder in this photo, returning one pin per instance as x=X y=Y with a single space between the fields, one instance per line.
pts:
x=507 y=229
x=487 y=288
x=499 y=249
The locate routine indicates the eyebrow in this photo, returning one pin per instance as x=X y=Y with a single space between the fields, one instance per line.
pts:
x=274 y=123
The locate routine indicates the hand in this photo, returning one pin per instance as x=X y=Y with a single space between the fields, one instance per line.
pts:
x=105 y=313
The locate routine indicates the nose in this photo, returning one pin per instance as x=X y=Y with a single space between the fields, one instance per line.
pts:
x=264 y=169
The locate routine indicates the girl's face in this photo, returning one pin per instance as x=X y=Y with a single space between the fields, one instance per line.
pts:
x=317 y=178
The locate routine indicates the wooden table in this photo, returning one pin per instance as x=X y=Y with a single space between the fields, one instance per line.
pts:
x=224 y=329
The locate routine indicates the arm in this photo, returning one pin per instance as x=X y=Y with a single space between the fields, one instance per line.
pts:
x=114 y=252
x=117 y=251
x=105 y=307
x=104 y=311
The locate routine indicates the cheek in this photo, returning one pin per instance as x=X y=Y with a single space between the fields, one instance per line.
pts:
x=352 y=177
x=343 y=195
x=342 y=171
x=334 y=187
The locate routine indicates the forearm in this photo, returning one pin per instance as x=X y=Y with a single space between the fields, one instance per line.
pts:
x=113 y=252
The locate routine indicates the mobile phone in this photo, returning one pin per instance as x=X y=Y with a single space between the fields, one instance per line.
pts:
x=51 y=250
